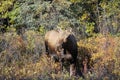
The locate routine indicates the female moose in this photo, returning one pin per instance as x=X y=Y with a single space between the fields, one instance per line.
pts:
x=63 y=45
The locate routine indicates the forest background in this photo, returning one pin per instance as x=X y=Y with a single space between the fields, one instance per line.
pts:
x=23 y=24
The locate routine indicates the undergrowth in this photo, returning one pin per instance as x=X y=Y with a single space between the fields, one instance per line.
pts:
x=22 y=57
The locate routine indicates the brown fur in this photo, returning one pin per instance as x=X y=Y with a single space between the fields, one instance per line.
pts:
x=64 y=45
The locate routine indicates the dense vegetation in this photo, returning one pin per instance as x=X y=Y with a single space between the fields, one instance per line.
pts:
x=23 y=23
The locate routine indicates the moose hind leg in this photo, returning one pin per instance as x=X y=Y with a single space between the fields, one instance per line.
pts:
x=72 y=70
x=46 y=48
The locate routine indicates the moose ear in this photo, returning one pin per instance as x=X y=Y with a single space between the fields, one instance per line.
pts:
x=69 y=30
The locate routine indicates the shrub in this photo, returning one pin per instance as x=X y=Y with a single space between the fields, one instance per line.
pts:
x=104 y=56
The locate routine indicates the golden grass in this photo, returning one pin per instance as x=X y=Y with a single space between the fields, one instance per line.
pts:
x=19 y=60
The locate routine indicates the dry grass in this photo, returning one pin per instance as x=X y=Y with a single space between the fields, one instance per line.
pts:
x=20 y=58
x=105 y=53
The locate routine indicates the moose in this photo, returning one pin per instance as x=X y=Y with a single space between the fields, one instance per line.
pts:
x=63 y=45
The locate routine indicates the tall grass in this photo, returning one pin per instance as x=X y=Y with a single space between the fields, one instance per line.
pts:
x=22 y=57
x=105 y=52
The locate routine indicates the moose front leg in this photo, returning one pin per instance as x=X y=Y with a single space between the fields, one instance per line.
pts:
x=73 y=68
x=46 y=49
